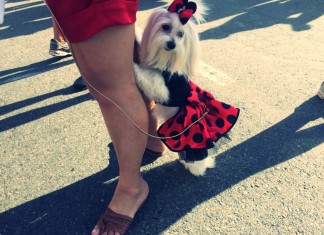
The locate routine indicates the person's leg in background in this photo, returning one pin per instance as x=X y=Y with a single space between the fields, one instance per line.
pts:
x=59 y=47
x=58 y=44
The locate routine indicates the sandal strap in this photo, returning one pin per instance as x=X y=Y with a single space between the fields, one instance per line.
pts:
x=116 y=222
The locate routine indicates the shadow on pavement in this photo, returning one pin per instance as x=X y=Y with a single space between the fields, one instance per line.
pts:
x=32 y=115
x=16 y=74
x=24 y=103
x=75 y=209
x=256 y=14
x=25 y=19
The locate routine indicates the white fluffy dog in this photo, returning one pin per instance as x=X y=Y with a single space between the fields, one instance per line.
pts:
x=169 y=58
x=170 y=46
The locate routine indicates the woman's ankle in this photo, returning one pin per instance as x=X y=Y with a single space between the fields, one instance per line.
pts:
x=133 y=186
x=127 y=200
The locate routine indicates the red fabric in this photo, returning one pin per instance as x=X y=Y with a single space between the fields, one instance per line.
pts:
x=184 y=8
x=220 y=119
x=81 y=19
x=173 y=5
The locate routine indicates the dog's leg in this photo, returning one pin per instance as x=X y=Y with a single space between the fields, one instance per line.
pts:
x=152 y=84
x=198 y=168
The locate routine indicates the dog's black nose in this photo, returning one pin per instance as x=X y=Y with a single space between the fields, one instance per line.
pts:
x=171 y=45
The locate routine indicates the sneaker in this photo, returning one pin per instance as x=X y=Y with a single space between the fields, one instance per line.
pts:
x=79 y=84
x=320 y=92
x=59 y=49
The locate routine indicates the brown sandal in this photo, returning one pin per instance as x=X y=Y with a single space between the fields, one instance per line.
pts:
x=112 y=221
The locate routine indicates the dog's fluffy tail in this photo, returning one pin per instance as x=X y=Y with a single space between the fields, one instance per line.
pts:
x=202 y=11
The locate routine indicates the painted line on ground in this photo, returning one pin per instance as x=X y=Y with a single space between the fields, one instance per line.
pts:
x=214 y=74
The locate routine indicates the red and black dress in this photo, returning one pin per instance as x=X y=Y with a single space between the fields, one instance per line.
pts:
x=194 y=103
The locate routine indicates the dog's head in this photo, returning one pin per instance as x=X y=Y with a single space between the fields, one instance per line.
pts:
x=168 y=44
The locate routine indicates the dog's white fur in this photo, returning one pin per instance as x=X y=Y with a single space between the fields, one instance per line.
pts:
x=162 y=28
x=183 y=59
x=198 y=168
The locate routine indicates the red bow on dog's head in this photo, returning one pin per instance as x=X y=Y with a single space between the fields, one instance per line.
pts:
x=184 y=8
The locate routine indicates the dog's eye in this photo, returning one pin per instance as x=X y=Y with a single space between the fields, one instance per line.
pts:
x=180 y=34
x=166 y=27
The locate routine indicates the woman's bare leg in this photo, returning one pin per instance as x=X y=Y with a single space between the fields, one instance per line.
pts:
x=153 y=144
x=106 y=61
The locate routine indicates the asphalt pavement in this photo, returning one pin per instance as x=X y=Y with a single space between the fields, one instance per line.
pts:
x=58 y=167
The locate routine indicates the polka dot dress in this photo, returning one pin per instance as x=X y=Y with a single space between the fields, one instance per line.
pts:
x=218 y=120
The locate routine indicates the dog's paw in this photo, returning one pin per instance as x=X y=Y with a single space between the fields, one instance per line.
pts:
x=209 y=162
x=198 y=168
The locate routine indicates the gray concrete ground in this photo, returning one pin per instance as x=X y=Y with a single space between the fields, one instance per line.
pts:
x=265 y=57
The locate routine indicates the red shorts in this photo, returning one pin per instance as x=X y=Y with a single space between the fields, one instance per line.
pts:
x=81 y=19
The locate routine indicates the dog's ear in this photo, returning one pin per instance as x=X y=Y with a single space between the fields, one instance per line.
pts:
x=193 y=54
x=151 y=27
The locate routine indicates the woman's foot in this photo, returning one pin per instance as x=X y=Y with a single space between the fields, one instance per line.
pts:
x=125 y=202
